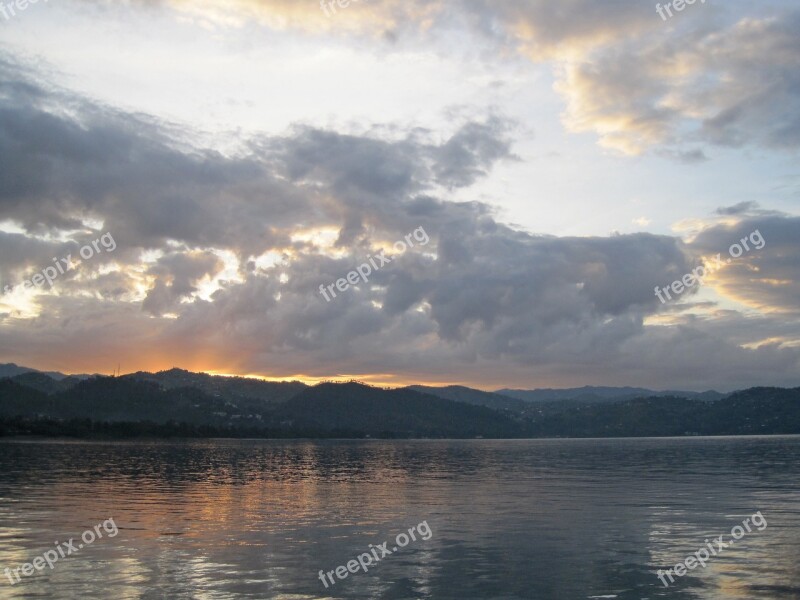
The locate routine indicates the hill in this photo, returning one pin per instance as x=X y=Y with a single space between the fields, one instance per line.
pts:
x=348 y=410
x=757 y=411
x=178 y=402
x=602 y=394
x=249 y=393
x=13 y=370
x=116 y=399
x=459 y=393
x=44 y=382
x=397 y=413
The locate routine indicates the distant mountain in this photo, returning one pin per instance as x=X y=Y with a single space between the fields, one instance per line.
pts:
x=181 y=403
x=12 y=370
x=602 y=394
x=459 y=393
x=44 y=382
x=757 y=411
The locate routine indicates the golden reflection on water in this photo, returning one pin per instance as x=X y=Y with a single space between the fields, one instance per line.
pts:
x=247 y=519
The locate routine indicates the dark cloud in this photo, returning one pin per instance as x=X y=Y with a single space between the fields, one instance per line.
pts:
x=737 y=209
x=176 y=278
x=481 y=302
x=471 y=152
x=687 y=157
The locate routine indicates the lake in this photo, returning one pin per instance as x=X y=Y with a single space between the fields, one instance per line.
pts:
x=541 y=519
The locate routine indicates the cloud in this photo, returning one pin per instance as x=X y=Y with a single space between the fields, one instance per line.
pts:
x=714 y=76
x=763 y=278
x=220 y=258
x=730 y=85
x=737 y=209
x=471 y=152
x=176 y=277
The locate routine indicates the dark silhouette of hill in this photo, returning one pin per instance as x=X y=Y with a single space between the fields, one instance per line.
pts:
x=178 y=402
x=756 y=411
x=401 y=413
x=353 y=408
x=45 y=383
x=12 y=370
x=459 y=393
x=602 y=394
x=231 y=388
x=115 y=399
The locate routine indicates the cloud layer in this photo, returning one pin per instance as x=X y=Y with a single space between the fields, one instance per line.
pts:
x=711 y=76
x=220 y=258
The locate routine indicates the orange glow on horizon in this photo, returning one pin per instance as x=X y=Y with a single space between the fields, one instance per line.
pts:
x=166 y=358
x=380 y=380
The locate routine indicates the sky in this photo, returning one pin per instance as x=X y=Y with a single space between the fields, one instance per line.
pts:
x=566 y=162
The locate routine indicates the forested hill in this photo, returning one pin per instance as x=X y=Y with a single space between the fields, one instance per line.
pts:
x=195 y=404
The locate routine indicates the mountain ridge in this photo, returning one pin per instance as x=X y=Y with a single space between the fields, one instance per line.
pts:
x=602 y=393
x=183 y=403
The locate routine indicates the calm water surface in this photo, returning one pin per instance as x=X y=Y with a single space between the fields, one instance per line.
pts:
x=546 y=519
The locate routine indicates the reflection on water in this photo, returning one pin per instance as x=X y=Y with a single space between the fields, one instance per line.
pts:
x=546 y=519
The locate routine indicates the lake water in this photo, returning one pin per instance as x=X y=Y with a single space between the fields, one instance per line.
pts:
x=544 y=519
